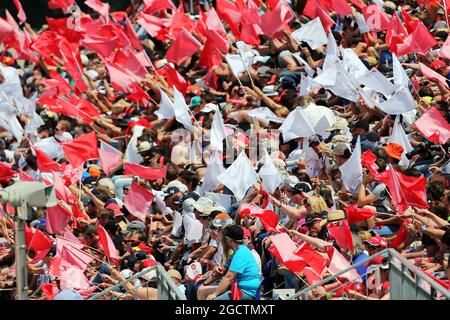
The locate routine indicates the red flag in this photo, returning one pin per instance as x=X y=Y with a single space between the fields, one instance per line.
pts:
x=283 y=248
x=250 y=28
x=401 y=236
x=5 y=29
x=421 y=39
x=73 y=278
x=268 y=218
x=182 y=48
x=359 y=4
x=375 y=18
x=109 y=157
x=338 y=263
x=410 y=22
x=340 y=231
x=179 y=22
x=144 y=172
x=121 y=79
x=325 y=19
x=57 y=219
x=341 y=7
x=39 y=242
x=6 y=171
x=50 y=290
x=101 y=7
x=396 y=33
x=103 y=46
x=132 y=35
x=138 y=95
x=272 y=21
x=312 y=276
x=314 y=259
x=60 y=4
x=20 y=13
x=68 y=239
x=81 y=149
x=430 y=74
x=108 y=245
x=405 y=190
x=310 y=9
x=71 y=56
x=236 y=293
x=71 y=257
x=138 y=201
x=433 y=126
x=131 y=63
x=174 y=78
x=368 y=161
x=152 y=25
x=153 y=6
x=355 y=214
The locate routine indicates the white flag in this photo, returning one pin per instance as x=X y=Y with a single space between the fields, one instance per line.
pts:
x=265 y=114
x=312 y=33
x=218 y=132
x=220 y=199
x=352 y=169
x=166 y=109
x=132 y=153
x=375 y=80
x=310 y=71
x=246 y=53
x=399 y=136
x=214 y=169
x=361 y=21
x=353 y=64
x=236 y=64
x=402 y=101
x=400 y=77
x=332 y=55
x=181 y=110
x=177 y=224
x=296 y=125
x=239 y=177
x=327 y=78
x=51 y=147
x=345 y=87
x=269 y=174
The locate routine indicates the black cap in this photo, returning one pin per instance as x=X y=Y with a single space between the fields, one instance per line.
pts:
x=311 y=218
x=234 y=232
x=300 y=188
x=363 y=124
x=373 y=136
x=317 y=138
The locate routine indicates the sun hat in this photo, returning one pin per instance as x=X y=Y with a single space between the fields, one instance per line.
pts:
x=221 y=220
x=202 y=204
x=176 y=183
x=340 y=124
x=340 y=149
x=335 y=215
x=394 y=150
x=174 y=274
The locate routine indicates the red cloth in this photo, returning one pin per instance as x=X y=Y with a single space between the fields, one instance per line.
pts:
x=419 y=41
x=312 y=276
x=109 y=158
x=81 y=149
x=173 y=78
x=179 y=22
x=144 y=172
x=355 y=214
x=430 y=74
x=121 y=79
x=71 y=257
x=396 y=33
x=268 y=218
x=154 y=6
x=341 y=7
x=236 y=293
x=57 y=219
x=340 y=231
x=60 y=4
x=6 y=171
x=50 y=290
x=182 y=48
x=38 y=241
x=272 y=21
x=138 y=201
x=310 y=9
x=400 y=237
x=375 y=18
x=433 y=126
x=283 y=248
x=101 y=7
x=103 y=46
x=405 y=190
x=325 y=19
x=411 y=24
x=108 y=245
x=20 y=13
x=314 y=259
x=368 y=161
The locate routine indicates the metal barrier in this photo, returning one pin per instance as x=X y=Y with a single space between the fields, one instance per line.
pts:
x=406 y=281
x=166 y=290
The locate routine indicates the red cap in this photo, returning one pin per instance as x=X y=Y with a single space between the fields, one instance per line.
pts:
x=148 y=263
x=146 y=248
x=377 y=241
x=114 y=207
x=437 y=64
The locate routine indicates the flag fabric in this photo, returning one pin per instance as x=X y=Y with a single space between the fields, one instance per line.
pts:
x=108 y=245
x=314 y=259
x=99 y=6
x=166 y=110
x=355 y=214
x=340 y=231
x=109 y=157
x=73 y=278
x=81 y=149
x=132 y=153
x=368 y=161
x=72 y=257
x=138 y=201
x=218 y=132
x=325 y=19
x=342 y=7
x=405 y=190
x=433 y=126
x=339 y=263
x=57 y=219
x=430 y=74
x=268 y=218
x=154 y=6
x=375 y=18
x=312 y=276
x=144 y=172
x=236 y=64
x=296 y=125
x=272 y=21
x=60 y=4
x=400 y=77
x=269 y=174
x=419 y=41
x=173 y=78
x=38 y=241
x=20 y=12
x=50 y=290
x=182 y=48
x=67 y=240
x=351 y=170
x=284 y=249
x=444 y=52
x=400 y=102
x=181 y=110
x=213 y=170
x=399 y=136
x=375 y=80
x=239 y=177
x=236 y=293
x=400 y=237
x=312 y=33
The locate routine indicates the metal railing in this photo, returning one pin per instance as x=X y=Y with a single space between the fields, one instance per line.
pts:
x=166 y=288
x=406 y=281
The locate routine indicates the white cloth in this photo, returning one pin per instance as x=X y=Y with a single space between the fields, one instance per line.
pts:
x=296 y=125
x=352 y=169
x=181 y=110
x=312 y=33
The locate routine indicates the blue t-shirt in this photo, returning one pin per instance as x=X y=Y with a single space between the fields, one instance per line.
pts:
x=244 y=264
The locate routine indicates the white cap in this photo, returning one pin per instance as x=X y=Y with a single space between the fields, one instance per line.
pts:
x=209 y=107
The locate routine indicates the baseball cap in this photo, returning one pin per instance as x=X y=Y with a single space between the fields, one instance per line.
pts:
x=234 y=232
x=210 y=107
x=196 y=101
x=394 y=150
x=176 y=183
x=194 y=89
x=317 y=138
x=135 y=225
x=335 y=215
x=301 y=187
x=221 y=220
x=203 y=203
x=291 y=181
x=377 y=241
x=339 y=138
x=114 y=207
x=363 y=124
x=208 y=210
x=340 y=148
